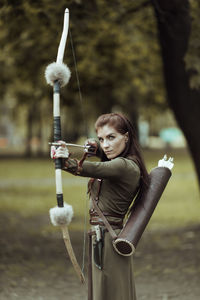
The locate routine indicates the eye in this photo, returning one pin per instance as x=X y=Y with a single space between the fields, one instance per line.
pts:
x=100 y=139
x=111 y=137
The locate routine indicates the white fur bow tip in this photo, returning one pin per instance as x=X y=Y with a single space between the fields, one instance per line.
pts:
x=57 y=72
x=61 y=215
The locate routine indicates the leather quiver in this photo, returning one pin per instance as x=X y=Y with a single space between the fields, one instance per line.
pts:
x=143 y=208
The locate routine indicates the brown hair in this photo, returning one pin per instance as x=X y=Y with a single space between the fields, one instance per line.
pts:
x=132 y=150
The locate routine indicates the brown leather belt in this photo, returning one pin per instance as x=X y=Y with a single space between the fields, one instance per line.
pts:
x=96 y=220
x=93 y=212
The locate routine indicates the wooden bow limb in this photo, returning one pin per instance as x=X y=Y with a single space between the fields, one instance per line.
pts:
x=66 y=238
x=62 y=216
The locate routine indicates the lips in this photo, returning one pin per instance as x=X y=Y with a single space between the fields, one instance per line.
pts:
x=108 y=152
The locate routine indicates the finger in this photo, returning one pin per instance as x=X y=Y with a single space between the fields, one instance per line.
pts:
x=60 y=152
x=62 y=144
x=53 y=151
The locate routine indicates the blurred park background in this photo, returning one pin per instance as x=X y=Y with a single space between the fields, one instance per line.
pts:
x=136 y=57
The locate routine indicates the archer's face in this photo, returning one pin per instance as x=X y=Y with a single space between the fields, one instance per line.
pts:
x=112 y=142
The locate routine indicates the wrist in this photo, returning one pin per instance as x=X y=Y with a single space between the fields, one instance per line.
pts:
x=65 y=163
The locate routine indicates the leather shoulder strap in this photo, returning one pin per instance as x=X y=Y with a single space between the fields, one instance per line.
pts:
x=106 y=223
x=101 y=215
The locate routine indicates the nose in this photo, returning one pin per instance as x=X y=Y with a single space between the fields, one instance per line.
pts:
x=105 y=144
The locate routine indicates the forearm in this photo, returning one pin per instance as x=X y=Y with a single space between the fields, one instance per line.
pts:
x=105 y=170
x=113 y=169
x=71 y=165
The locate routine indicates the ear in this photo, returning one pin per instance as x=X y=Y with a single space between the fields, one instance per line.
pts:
x=126 y=137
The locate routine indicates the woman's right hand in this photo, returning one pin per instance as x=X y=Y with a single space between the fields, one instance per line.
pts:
x=59 y=151
x=91 y=147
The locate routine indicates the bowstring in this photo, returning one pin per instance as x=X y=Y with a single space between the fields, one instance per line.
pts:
x=78 y=83
x=86 y=133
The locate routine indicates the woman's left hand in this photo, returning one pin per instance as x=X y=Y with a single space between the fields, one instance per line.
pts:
x=60 y=151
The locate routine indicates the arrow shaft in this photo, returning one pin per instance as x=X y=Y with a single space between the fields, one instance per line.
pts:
x=69 y=145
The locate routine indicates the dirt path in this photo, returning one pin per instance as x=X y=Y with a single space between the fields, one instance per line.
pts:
x=34 y=264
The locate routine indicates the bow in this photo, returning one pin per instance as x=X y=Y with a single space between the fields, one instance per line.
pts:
x=58 y=74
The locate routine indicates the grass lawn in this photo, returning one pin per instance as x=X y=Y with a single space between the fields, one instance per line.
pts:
x=28 y=188
x=34 y=263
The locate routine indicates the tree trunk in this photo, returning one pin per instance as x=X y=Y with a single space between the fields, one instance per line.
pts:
x=174 y=26
x=31 y=116
x=29 y=131
x=39 y=133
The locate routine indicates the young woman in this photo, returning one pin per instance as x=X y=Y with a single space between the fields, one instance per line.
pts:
x=115 y=182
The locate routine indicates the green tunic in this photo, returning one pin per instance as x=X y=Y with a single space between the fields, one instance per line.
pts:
x=119 y=186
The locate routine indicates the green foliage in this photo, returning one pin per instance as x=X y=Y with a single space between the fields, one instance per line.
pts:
x=117 y=55
x=116 y=50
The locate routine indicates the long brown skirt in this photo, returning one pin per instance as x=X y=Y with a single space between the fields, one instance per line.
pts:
x=115 y=280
